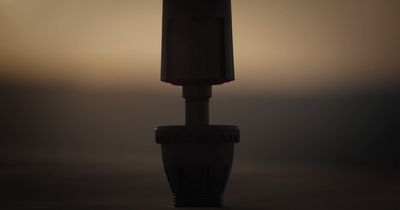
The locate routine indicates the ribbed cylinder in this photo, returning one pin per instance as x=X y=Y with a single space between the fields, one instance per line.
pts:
x=198 y=200
x=197 y=46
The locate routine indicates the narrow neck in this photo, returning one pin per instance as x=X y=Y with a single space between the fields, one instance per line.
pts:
x=196 y=104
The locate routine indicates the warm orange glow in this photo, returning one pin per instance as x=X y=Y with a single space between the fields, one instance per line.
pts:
x=279 y=45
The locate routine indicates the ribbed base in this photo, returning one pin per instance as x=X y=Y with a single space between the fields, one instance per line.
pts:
x=198 y=200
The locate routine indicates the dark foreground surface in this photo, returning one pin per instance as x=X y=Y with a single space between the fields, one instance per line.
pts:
x=267 y=186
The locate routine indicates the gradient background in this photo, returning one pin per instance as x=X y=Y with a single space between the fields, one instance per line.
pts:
x=317 y=97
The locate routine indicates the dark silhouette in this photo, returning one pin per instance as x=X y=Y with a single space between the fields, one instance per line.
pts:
x=197 y=53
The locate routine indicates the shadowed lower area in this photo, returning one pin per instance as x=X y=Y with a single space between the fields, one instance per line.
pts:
x=63 y=147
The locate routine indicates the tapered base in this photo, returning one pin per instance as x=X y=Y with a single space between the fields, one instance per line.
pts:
x=197 y=162
x=198 y=200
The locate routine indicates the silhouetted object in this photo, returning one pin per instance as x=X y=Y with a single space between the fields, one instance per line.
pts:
x=197 y=53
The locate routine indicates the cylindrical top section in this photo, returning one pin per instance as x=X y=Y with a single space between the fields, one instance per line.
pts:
x=197 y=42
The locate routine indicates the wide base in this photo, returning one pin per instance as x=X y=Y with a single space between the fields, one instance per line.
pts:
x=197 y=161
x=198 y=200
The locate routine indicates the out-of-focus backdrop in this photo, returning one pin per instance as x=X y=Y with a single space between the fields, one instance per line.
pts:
x=317 y=97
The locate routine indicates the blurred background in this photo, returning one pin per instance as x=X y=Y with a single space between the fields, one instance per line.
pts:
x=317 y=97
